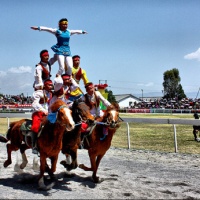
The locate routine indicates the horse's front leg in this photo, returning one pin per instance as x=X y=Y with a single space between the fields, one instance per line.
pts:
x=43 y=166
x=10 y=148
x=54 y=160
x=94 y=175
x=93 y=166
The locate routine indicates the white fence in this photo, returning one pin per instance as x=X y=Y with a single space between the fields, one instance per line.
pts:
x=161 y=121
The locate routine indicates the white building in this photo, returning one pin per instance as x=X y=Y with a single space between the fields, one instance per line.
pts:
x=126 y=100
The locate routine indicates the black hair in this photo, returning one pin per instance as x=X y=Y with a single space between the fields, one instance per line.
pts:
x=43 y=51
x=63 y=19
x=76 y=56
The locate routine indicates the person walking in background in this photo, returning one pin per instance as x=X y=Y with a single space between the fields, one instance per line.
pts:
x=78 y=73
x=42 y=70
x=62 y=48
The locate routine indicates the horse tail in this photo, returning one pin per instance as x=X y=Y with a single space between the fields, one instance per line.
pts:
x=7 y=138
x=9 y=130
x=3 y=139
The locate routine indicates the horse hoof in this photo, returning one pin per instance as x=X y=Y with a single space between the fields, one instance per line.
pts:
x=198 y=139
x=64 y=163
x=81 y=166
x=48 y=187
x=96 y=180
x=6 y=163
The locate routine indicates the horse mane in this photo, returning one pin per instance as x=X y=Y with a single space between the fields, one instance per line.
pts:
x=57 y=104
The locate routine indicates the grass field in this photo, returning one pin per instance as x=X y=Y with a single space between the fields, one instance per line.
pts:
x=143 y=136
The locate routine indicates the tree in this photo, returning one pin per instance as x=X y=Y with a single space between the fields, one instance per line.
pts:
x=172 y=86
x=111 y=97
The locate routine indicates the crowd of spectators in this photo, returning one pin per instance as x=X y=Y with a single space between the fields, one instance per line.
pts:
x=186 y=103
x=15 y=99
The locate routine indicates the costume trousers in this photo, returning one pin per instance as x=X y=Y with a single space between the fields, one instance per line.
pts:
x=65 y=61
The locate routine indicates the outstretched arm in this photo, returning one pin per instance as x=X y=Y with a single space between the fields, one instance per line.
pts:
x=34 y=27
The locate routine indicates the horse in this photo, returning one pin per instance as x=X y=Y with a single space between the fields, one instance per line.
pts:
x=196 y=129
x=49 y=142
x=98 y=141
x=72 y=139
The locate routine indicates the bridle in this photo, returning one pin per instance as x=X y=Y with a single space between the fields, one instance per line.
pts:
x=52 y=117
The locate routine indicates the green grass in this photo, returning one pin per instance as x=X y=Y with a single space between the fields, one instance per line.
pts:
x=145 y=136
x=157 y=137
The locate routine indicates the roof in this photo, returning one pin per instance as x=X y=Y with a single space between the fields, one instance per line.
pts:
x=121 y=97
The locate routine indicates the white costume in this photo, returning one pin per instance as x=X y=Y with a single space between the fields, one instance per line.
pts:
x=39 y=82
x=96 y=111
x=58 y=84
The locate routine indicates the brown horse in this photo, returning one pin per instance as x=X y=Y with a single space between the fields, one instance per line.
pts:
x=98 y=141
x=49 y=142
x=72 y=139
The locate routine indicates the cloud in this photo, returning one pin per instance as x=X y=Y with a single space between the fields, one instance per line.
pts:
x=17 y=80
x=193 y=55
x=2 y=73
x=20 y=70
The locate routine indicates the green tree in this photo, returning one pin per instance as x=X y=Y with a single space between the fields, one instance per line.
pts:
x=172 y=86
x=111 y=97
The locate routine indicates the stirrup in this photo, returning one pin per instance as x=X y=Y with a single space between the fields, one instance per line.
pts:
x=35 y=151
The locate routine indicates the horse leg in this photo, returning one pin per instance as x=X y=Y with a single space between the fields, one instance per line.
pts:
x=24 y=158
x=73 y=164
x=94 y=175
x=54 y=160
x=93 y=166
x=10 y=148
x=41 y=184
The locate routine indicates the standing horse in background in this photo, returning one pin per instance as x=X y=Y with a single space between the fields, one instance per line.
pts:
x=72 y=139
x=196 y=129
x=49 y=142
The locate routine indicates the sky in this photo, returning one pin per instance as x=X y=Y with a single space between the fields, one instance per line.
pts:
x=129 y=45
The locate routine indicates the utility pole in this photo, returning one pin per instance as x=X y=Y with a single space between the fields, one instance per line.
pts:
x=142 y=94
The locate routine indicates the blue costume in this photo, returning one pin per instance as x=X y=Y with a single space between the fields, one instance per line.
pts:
x=62 y=48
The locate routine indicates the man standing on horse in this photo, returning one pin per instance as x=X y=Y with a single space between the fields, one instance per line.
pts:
x=41 y=98
x=43 y=69
x=62 y=88
x=78 y=73
x=92 y=98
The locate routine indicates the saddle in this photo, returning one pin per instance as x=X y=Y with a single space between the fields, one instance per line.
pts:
x=26 y=130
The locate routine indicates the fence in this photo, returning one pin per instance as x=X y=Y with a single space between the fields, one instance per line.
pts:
x=153 y=121
x=161 y=121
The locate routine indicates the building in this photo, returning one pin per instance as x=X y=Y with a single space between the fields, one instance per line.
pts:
x=126 y=100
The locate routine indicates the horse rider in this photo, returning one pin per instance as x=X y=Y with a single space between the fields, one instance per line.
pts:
x=62 y=87
x=41 y=98
x=78 y=73
x=43 y=69
x=92 y=98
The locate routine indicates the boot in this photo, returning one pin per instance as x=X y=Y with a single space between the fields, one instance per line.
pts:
x=34 y=143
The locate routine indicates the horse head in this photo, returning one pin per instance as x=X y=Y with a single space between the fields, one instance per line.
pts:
x=81 y=112
x=62 y=115
x=111 y=116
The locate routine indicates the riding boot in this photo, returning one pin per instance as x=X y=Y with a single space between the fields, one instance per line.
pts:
x=34 y=143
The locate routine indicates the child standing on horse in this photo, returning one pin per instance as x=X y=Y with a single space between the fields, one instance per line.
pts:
x=62 y=48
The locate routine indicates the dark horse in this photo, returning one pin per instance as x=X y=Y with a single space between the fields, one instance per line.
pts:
x=98 y=141
x=72 y=139
x=49 y=142
x=196 y=129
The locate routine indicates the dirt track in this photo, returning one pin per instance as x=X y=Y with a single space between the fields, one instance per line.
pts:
x=127 y=175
